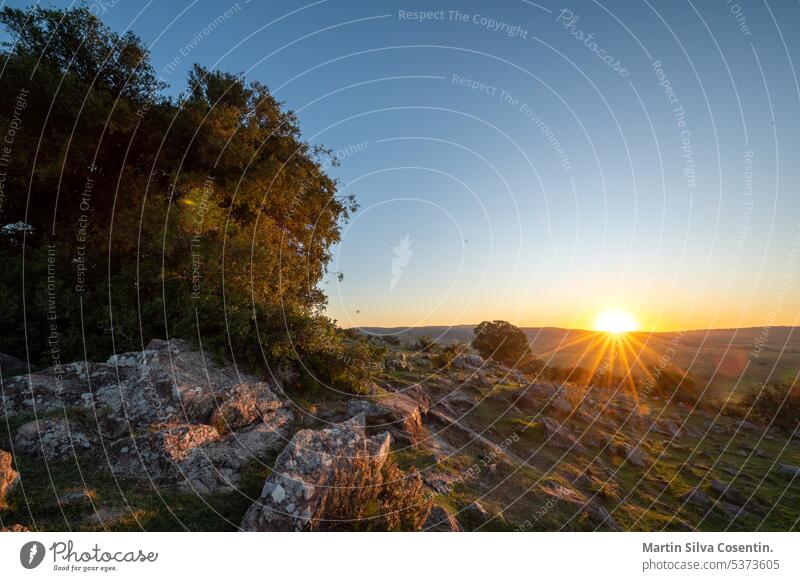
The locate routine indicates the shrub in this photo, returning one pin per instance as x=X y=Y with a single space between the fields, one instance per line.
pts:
x=444 y=358
x=377 y=500
x=532 y=366
x=671 y=383
x=337 y=361
x=425 y=343
x=777 y=403
x=501 y=341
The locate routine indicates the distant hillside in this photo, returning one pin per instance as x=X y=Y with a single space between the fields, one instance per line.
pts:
x=728 y=360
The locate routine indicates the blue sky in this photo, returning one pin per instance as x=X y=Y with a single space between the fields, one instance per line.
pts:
x=536 y=182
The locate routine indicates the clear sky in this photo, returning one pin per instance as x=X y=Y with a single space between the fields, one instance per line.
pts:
x=509 y=165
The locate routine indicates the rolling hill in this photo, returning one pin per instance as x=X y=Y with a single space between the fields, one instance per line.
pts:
x=727 y=361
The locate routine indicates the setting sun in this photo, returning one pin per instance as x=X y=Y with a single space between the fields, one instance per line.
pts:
x=615 y=322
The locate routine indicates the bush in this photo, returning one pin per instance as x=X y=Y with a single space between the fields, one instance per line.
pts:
x=501 y=341
x=777 y=403
x=532 y=366
x=337 y=361
x=425 y=343
x=671 y=383
x=372 y=500
x=443 y=359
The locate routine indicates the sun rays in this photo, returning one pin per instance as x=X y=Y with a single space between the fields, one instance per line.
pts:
x=616 y=322
x=618 y=361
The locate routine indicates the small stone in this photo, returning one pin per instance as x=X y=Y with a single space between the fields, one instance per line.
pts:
x=278 y=493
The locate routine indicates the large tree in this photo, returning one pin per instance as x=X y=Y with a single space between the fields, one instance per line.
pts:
x=131 y=215
x=500 y=340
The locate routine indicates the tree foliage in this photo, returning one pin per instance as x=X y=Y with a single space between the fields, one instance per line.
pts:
x=500 y=340
x=205 y=216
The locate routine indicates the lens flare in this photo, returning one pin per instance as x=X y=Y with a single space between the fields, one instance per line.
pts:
x=615 y=322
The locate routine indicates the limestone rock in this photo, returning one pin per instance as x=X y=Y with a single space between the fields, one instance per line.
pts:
x=167 y=414
x=243 y=404
x=54 y=439
x=159 y=453
x=217 y=466
x=467 y=361
x=309 y=470
x=165 y=382
x=399 y=413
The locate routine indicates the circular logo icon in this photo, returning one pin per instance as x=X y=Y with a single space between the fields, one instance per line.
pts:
x=31 y=554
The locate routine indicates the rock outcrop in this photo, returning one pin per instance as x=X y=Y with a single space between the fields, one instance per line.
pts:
x=467 y=361
x=399 y=413
x=328 y=479
x=168 y=414
x=54 y=439
x=307 y=473
x=538 y=396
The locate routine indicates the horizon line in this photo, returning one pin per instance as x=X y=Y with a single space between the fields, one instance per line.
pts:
x=693 y=330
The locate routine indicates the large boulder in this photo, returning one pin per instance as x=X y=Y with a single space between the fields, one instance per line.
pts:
x=243 y=404
x=197 y=457
x=399 y=413
x=168 y=381
x=47 y=390
x=8 y=477
x=159 y=453
x=315 y=467
x=467 y=361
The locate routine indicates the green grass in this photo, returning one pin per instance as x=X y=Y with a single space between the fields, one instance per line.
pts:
x=135 y=504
